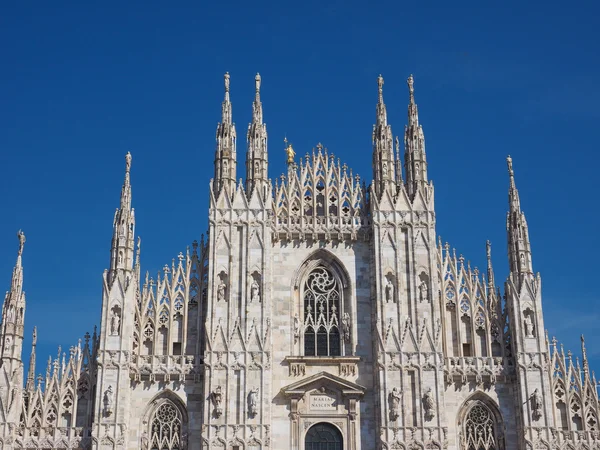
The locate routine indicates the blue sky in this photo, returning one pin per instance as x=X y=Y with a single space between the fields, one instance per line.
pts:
x=81 y=84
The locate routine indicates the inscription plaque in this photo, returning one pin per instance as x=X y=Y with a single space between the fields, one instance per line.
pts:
x=322 y=402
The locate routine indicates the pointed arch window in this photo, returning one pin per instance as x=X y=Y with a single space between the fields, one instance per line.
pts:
x=480 y=429
x=322 y=303
x=165 y=428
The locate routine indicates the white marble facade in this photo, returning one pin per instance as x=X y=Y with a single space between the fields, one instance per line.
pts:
x=317 y=313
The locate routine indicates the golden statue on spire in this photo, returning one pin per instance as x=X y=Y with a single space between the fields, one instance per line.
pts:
x=289 y=152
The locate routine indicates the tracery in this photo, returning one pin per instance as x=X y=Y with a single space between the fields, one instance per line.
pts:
x=165 y=428
x=479 y=429
x=322 y=314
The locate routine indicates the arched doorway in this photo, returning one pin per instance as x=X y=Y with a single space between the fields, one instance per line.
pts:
x=323 y=436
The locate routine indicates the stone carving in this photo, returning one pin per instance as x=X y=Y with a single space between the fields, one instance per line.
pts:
x=289 y=151
x=115 y=323
x=252 y=402
x=217 y=399
x=429 y=404
x=389 y=291
x=536 y=404
x=145 y=440
x=108 y=401
x=221 y=291
x=10 y=315
x=21 y=237
x=394 y=400
x=296 y=328
x=423 y=291
x=528 y=325
x=346 y=326
x=254 y=292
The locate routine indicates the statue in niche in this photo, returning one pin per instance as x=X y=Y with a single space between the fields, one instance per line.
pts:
x=254 y=292
x=10 y=315
x=384 y=171
x=528 y=326
x=145 y=440
x=423 y=291
x=346 y=326
x=221 y=291
x=252 y=402
x=217 y=398
x=536 y=404
x=389 y=291
x=115 y=323
x=296 y=327
x=394 y=399
x=429 y=404
x=7 y=344
x=108 y=401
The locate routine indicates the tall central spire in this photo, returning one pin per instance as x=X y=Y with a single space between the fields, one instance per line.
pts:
x=414 y=145
x=256 y=154
x=13 y=310
x=519 y=246
x=121 y=257
x=225 y=154
x=384 y=166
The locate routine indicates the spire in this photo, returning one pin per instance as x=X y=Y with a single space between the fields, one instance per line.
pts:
x=586 y=368
x=519 y=247
x=126 y=191
x=256 y=154
x=13 y=309
x=384 y=166
x=123 y=229
x=225 y=155
x=30 y=386
x=415 y=160
x=490 y=269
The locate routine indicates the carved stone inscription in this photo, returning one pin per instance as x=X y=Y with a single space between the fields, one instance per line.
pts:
x=322 y=402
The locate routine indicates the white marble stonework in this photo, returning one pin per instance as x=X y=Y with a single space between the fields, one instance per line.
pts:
x=319 y=312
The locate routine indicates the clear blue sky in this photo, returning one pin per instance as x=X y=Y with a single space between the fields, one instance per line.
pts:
x=82 y=84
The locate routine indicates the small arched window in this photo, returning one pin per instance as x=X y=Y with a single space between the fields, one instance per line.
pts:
x=165 y=428
x=322 y=302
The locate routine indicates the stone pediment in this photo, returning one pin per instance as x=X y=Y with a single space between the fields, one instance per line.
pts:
x=326 y=382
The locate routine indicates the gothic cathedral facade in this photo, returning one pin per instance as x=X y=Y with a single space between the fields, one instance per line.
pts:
x=316 y=314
